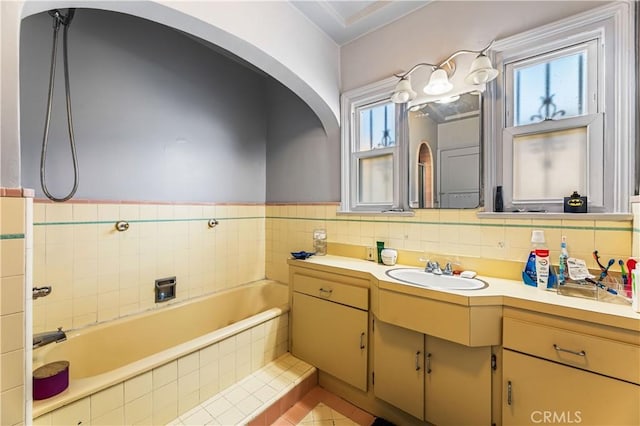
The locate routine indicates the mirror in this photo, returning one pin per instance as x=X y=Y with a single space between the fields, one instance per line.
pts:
x=445 y=152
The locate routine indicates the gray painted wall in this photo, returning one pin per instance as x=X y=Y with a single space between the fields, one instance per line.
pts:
x=303 y=162
x=157 y=115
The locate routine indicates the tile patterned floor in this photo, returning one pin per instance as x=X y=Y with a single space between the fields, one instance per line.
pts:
x=243 y=401
x=322 y=408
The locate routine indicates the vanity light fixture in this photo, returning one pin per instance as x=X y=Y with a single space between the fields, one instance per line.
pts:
x=480 y=72
x=403 y=92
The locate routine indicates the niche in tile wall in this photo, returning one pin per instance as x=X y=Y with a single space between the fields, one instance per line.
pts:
x=165 y=289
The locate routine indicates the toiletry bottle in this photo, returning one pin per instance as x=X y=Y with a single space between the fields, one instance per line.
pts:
x=635 y=289
x=542 y=268
x=562 y=262
x=380 y=247
x=529 y=274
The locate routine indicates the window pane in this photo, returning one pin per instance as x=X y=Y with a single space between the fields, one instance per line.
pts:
x=550 y=165
x=377 y=127
x=375 y=180
x=552 y=89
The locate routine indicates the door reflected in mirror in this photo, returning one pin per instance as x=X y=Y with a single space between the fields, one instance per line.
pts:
x=445 y=153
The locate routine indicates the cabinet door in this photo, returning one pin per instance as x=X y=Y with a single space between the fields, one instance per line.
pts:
x=398 y=365
x=458 y=383
x=539 y=391
x=332 y=337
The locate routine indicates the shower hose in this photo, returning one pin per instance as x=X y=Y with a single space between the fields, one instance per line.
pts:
x=59 y=19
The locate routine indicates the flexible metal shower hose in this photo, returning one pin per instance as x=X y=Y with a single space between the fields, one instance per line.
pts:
x=43 y=154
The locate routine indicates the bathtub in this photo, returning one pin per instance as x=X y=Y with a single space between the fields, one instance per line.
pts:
x=241 y=329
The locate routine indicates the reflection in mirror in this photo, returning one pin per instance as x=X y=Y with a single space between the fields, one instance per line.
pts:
x=445 y=152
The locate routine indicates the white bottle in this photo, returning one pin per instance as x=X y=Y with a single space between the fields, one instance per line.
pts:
x=635 y=289
x=542 y=259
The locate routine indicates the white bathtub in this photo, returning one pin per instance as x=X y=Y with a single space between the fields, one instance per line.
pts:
x=250 y=318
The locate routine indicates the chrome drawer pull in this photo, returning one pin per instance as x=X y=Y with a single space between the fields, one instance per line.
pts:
x=323 y=291
x=509 y=393
x=559 y=349
x=362 y=340
x=428 y=366
x=418 y=361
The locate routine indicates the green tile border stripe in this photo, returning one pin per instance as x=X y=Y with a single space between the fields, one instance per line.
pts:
x=361 y=220
x=11 y=236
x=480 y=224
x=113 y=221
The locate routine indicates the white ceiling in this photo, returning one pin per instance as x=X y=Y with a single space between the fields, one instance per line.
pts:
x=347 y=20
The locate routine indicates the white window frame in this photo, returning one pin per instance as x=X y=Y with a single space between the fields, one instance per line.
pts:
x=612 y=26
x=351 y=102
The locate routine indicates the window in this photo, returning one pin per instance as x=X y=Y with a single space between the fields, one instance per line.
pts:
x=370 y=152
x=554 y=127
x=561 y=114
x=551 y=87
x=373 y=157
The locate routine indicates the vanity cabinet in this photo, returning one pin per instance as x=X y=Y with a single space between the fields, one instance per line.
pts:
x=457 y=383
x=431 y=378
x=398 y=367
x=329 y=322
x=561 y=371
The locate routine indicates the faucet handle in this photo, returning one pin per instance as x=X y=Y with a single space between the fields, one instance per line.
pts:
x=428 y=267
x=436 y=268
x=448 y=270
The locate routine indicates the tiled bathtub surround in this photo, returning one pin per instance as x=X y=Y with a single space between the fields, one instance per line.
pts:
x=170 y=390
x=448 y=233
x=99 y=274
x=258 y=399
x=14 y=245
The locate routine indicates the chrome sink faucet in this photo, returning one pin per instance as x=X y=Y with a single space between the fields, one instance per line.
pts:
x=448 y=270
x=42 y=339
x=433 y=267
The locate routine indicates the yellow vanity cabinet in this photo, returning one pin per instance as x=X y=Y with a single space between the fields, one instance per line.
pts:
x=398 y=367
x=329 y=324
x=457 y=356
x=567 y=371
x=457 y=383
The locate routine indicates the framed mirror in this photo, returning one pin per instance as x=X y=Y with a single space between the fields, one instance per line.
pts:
x=445 y=152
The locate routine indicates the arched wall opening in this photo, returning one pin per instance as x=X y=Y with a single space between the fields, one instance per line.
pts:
x=307 y=64
x=304 y=124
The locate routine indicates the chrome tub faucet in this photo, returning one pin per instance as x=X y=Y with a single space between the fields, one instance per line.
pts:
x=41 y=291
x=42 y=339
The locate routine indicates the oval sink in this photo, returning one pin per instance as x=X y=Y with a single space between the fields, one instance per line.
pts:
x=417 y=276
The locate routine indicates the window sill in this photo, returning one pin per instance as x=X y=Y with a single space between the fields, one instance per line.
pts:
x=366 y=213
x=557 y=216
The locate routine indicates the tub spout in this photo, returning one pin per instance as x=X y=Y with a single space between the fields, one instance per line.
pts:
x=41 y=291
x=41 y=339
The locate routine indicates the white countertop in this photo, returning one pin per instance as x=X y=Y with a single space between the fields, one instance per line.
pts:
x=508 y=293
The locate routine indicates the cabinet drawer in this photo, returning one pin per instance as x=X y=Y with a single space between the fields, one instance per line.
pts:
x=349 y=295
x=332 y=337
x=597 y=354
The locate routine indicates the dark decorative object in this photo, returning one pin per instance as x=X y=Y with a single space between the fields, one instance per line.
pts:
x=498 y=203
x=575 y=203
